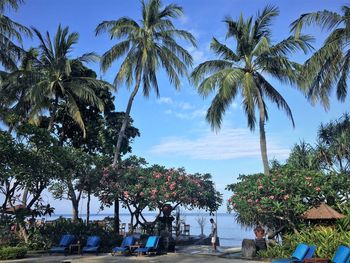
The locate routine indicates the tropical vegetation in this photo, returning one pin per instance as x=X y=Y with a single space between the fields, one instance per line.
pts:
x=60 y=131
x=243 y=70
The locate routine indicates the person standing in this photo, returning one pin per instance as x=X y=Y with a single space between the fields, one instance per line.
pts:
x=213 y=233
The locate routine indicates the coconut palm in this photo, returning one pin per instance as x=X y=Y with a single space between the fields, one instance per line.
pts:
x=329 y=67
x=58 y=86
x=10 y=33
x=146 y=46
x=244 y=72
x=15 y=88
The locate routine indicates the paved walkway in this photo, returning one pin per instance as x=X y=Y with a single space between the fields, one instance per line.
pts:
x=188 y=254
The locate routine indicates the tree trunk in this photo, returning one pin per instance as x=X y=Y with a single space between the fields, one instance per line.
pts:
x=116 y=216
x=263 y=147
x=88 y=207
x=125 y=121
x=75 y=202
x=23 y=231
x=53 y=116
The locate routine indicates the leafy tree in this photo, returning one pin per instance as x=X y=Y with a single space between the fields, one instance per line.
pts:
x=31 y=162
x=304 y=156
x=329 y=67
x=277 y=200
x=58 y=86
x=141 y=187
x=10 y=33
x=244 y=71
x=146 y=46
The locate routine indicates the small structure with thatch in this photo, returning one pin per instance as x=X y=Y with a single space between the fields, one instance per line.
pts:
x=323 y=214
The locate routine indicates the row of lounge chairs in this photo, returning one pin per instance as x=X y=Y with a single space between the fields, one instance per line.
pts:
x=93 y=245
x=304 y=253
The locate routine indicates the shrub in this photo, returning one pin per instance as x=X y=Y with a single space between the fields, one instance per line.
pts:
x=12 y=252
x=327 y=240
x=50 y=234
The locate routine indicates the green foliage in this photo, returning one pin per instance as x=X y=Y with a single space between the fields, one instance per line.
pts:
x=139 y=186
x=53 y=233
x=327 y=240
x=12 y=252
x=276 y=200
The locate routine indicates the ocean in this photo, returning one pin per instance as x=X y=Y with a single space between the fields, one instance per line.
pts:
x=230 y=233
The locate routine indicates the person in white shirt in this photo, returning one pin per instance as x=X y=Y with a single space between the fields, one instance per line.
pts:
x=213 y=233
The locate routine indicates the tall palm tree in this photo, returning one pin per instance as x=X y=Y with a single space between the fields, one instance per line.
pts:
x=244 y=71
x=10 y=33
x=146 y=46
x=15 y=88
x=329 y=67
x=58 y=86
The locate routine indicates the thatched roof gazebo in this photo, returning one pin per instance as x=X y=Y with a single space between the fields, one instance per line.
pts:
x=323 y=214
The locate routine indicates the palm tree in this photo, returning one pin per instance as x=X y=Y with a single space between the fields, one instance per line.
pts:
x=329 y=67
x=146 y=46
x=58 y=86
x=10 y=33
x=243 y=71
x=15 y=88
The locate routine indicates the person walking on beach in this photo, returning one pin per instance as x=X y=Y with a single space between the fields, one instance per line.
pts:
x=213 y=233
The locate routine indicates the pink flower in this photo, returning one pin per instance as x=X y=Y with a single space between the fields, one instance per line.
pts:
x=308 y=178
x=256 y=200
x=157 y=175
x=126 y=194
x=271 y=197
x=274 y=179
x=260 y=187
x=318 y=188
x=142 y=194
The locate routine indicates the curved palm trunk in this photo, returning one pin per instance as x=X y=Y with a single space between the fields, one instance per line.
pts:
x=263 y=147
x=52 y=118
x=119 y=145
x=125 y=121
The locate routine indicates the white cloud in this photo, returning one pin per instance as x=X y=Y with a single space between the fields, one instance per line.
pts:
x=165 y=100
x=185 y=106
x=229 y=143
x=183 y=19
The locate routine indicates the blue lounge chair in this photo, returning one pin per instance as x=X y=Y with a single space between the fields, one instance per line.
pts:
x=342 y=255
x=63 y=246
x=301 y=252
x=92 y=245
x=150 y=247
x=125 y=246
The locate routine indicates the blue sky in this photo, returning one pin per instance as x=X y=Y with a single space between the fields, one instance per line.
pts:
x=173 y=129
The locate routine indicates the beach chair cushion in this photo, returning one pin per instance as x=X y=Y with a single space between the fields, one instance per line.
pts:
x=58 y=249
x=93 y=241
x=126 y=243
x=310 y=253
x=151 y=245
x=298 y=255
x=300 y=252
x=66 y=240
x=342 y=255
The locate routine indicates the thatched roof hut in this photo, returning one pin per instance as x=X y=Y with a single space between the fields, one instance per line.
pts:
x=322 y=212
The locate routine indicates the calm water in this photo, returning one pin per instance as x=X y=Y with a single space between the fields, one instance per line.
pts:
x=230 y=233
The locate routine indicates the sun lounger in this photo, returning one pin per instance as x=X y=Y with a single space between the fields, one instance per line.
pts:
x=301 y=252
x=92 y=245
x=63 y=246
x=125 y=246
x=150 y=247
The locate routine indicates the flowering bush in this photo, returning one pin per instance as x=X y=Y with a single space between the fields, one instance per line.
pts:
x=139 y=186
x=276 y=200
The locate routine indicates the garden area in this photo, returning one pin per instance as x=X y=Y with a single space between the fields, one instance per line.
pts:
x=63 y=135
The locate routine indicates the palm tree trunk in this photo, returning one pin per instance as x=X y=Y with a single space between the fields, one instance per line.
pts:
x=88 y=207
x=53 y=116
x=126 y=121
x=263 y=147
